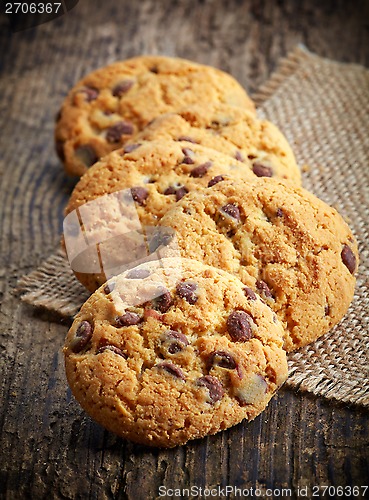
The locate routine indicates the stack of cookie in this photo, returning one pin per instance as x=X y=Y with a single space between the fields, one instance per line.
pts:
x=228 y=265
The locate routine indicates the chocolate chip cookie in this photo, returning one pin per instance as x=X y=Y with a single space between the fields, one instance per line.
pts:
x=196 y=358
x=148 y=179
x=109 y=105
x=232 y=130
x=285 y=244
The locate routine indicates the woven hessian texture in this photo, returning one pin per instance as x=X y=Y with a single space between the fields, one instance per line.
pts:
x=323 y=109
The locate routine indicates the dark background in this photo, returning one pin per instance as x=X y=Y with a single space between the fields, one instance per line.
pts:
x=49 y=447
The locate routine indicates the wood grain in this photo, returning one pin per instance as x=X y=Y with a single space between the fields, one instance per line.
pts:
x=49 y=447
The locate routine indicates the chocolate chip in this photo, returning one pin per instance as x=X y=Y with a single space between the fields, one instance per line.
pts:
x=139 y=194
x=188 y=152
x=162 y=237
x=109 y=287
x=188 y=156
x=348 y=258
x=115 y=132
x=201 y=170
x=172 y=369
x=138 y=274
x=250 y=294
x=279 y=212
x=232 y=211
x=177 y=341
x=215 y=180
x=113 y=349
x=122 y=87
x=188 y=160
x=188 y=291
x=86 y=154
x=150 y=313
x=173 y=190
x=327 y=310
x=90 y=93
x=239 y=327
x=154 y=69
x=170 y=190
x=262 y=170
x=239 y=156
x=222 y=359
x=128 y=148
x=175 y=347
x=173 y=334
x=187 y=139
x=163 y=302
x=128 y=319
x=263 y=289
x=59 y=147
x=181 y=192
x=213 y=385
x=82 y=337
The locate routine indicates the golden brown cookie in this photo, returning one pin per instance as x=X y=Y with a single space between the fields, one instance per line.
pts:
x=231 y=130
x=154 y=176
x=282 y=241
x=197 y=358
x=109 y=105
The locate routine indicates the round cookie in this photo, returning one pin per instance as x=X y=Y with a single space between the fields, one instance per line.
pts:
x=200 y=357
x=157 y=174
x=231 y=130
x=109 y=105
x=283 y=242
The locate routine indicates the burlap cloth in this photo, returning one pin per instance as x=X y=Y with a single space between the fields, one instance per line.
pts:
x=323 y=109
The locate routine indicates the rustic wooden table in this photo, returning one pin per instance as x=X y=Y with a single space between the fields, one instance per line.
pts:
x=49 y=447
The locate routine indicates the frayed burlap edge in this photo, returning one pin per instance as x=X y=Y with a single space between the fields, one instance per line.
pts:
x=53 y=286
x=286 y=67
